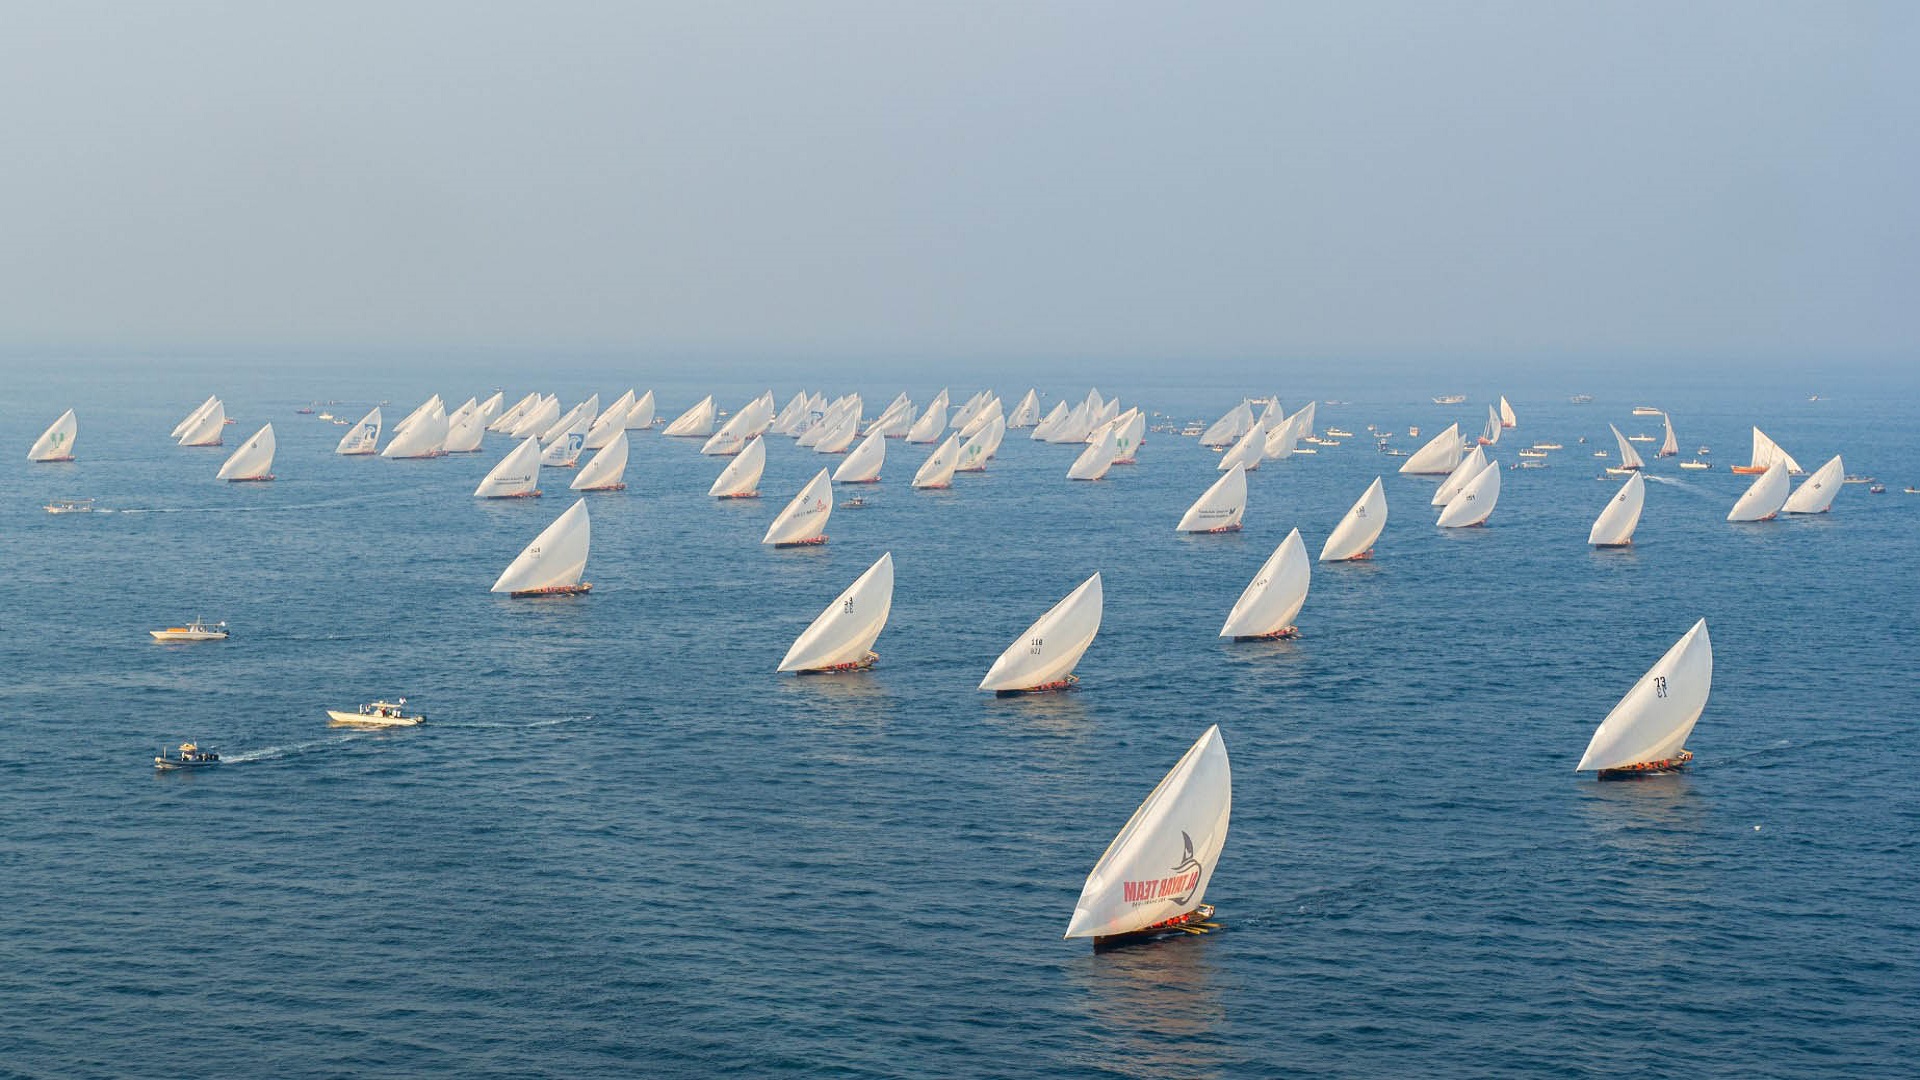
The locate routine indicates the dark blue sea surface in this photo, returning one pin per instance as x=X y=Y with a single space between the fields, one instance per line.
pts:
x=623 y=845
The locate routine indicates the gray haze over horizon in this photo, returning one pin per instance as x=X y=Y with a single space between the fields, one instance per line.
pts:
x=1711 y=180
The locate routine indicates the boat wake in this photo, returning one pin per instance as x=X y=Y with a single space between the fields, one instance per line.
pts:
x=517 y=725
x=270 y=753
x=357 y=500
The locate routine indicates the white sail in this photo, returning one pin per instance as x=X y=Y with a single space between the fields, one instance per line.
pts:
x=490 y=408
x=932 y=423
x=1652 y=722
x=640 y=417
x=1507 y=418
x=1669 y=446
x=786 y=418
x=1475 y=502
x=863 y=464
x=608 y=469
x=1249 y=452
x=427 y=437
x=895 y=420
x=1766 y=452
x=978 y=449
x=1353 y=538
x=1096 y=459
x=611 y=422
x=579 y=418
x=207 y=430
x=1027 y=413
x=741 y=478
x=1045 y=655
x=56 y=443
x=841 y=435
x=363 y=437
x=969 y=412
x=695 y=423
x=254 y=459
x=1438 y=457
x=562 y=448
x=535 y=421
x=1159 y=867
x=840 y=420
x=191 y=419
x=464 y=434
x=1228 y=429
x=1765 y=498
x=1129 y=432
x=1220 y=507
x=1490 y=432
x=1276 y=594
x=842 y=636
x=1303 y=423
x=1075 y=428
x=751 y=420
x=1629 y=457
x=1468 y=468
x=804 y=520
x=992 y=413
x=1282 y=439
x=1614 y=527
x=1816 y=492
x=937 y=471
x=556 y=559
x=1043 y=431
x=419 y=411
x=516 y=476
x=506 y=421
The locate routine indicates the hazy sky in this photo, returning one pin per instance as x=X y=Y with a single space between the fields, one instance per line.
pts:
x=880 y=176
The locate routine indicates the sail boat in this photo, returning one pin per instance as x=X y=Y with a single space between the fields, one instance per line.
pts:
x=862 y=466
x=989 y=413
x=1438 y=457
x=1249 y=452
x=1468 y=468
x=193 y=418
x=1276 y=594
x=608 y=469
x=1765 y=453
x=561 y=449
x=1669 y=446
x=1614 y=527
x=363 y=438
x=937 y=471
x=1096 y=459
x=466 y=429
x=207 y=430
x=252 y=461
x=741 y=478
x=982 y=446
x=804 y=520
x=1765 y=498
x=1490 y=432
x=553 y=564
x=1629 y=457
x=695 y=423
x=932 y=423
x=535 y=421
x=1027 y=413
x=1507 y=418
x=836 y=439
x=1816 y=492
x=516 y=476
x=1282 y=439
x=612 y=421
x=640 y=417
x=1225 y=431
x=1043 y=431
x=507 y=421
x=1647 y=731
x=1220 y=508
x=1474 y=504
x=753 y=418
x=1353 y=538
x=425 y=437
x=1132 y=431
x=1043 y=658
x=490 y=408
x=579 y=418
x=841 y=638
x=1152 y=880
x=56 y=444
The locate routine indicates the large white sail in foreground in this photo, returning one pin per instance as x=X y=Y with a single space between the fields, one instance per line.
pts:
x=555 y=561
x=1353 y=538
x=1816 y=492
x=1275 y=595
x=1764 y=499
x=1220 y=507
x=254 y=459
x=1649 y=727
x=741 y=478
x=1438 y=457
x=516 y=476
x=608 y=469
x=804 y=520
x=1614 y=527
x=1157 y=869
x=841 y=638
x=1043 y=658
x=56 y=443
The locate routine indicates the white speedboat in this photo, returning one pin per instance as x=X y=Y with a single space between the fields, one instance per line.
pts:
x=378 y=714
x=189 y=756
x=70 y=506
x=193 y=631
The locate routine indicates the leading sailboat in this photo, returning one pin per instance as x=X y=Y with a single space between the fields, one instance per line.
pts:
x=1152 y=880
x=1647 y=731
x=553 y=564
x=841 y=638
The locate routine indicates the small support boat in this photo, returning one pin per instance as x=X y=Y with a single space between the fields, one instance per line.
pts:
x=378 y=714
x=189 y=756
x=70 y=506
x=193 y=631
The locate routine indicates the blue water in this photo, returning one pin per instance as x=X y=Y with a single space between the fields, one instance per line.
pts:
x=625 y=846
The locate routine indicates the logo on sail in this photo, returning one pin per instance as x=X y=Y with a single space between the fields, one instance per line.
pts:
x=1178 y=887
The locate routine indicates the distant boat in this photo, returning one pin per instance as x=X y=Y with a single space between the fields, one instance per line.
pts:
x=937 y=471
x=1027 y=413
x=579 y=419
x=1765 y=498
x=804 y=520
x=196 y=630
x=364 y=439
x=208 y=428
x=1282 y=440
x=1580 y=399
x=1647 y=731
x=1646 y=410
x=608 y=469
x=1130 y=433
x=1354 y=537
x=1548 y=446
x=1629 y=457
x=1507 y=418
x=1614 y=527
x=1056 y=416
x=836 y=439
x=1267 y=606
x=466 y=429
x=192 y=419
x=537 y=419
x=1220 y=508
x=741 y=478
x=1816 y=492
x=515 y=476
x=753 y=419
x=1670 y=445
x=1153 y=877
x=1438 y=457
x=1696 y=465
x=695 y=423
x=862 y=465
x=1535 y=454
x=990 y=413
x=378 y=714
x=56 y=443
x=505 y=422
x=1470 y=466
x=190 y=756
x=841 y=638
x=1450 y=399
x=253 y=462
x=553 y=564
x=1765 y=453
x=1474 y=504
x=1096 y=459
x=1043 y=658
x=71 y=506
x=1490 y=432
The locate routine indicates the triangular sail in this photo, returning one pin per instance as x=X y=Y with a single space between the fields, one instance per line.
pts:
x=562 y=449
x=363 y=437
x=1669 y=446
x=254 y=459
x=1043 y=431
x=1475 y=502
x=556 y=559
x=1220 y=507
x=741 y=478
x=1046 y=654
x=1096 y=459
x=937 y=471
x=842 y=636
x=932 y=423
x=1614 y=527
x=1438 y=457
x=1160 y=864
x=515 y=476
x=1129 y=433
x=1816 y=492
x=579 y=418
x=1276 y=594
x=612 y=420
x=538 y=419
x=981 y=447
x=1354 y=537
x=640 y=417
x=1228 y=429
x=208 y=430
x=466 y=430
x=608 y=469
x=1468 y=468
x=56 y=443
x=1764 y=499
x=1249 y=452
x=696 y=422
x=425 y=437
x=1027 y=413
x=1507 y=419
x=863 y=463
x=1652 y=722
x=804 y=520
x=187 y=423
x=1766 y=452
x=1629 y=457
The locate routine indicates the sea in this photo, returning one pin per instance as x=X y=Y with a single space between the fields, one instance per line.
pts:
x=623 y=845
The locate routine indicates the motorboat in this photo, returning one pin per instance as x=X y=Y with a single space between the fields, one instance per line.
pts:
x=1696 y=465
x=70 y=506
x=189 y=756
x=378 y=714
x=1339 y=433
x=1645 y=410
x=1450 y=399
x=193 y=631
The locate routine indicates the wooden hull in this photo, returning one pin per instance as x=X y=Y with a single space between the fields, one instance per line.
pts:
x=1281 y=634
x=813 y=542
x=534 y=494
x=557 y=590
x=249 y=479
x=1749 y=470
x=1193 y=923
x=1649 y=768
x=837 y=669
x=1071 y=682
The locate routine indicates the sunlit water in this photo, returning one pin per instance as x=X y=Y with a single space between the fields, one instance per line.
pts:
x=624 y=845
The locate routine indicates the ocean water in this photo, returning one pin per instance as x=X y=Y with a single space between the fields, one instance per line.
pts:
x=624 y=846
